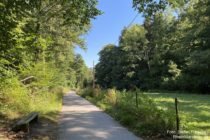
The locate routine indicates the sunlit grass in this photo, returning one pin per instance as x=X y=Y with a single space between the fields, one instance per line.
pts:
x=48 y=105
x=194 y=109
x=18 y=103
x=145 y=120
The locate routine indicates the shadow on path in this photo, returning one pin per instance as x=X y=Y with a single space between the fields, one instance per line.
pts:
x=80 y=120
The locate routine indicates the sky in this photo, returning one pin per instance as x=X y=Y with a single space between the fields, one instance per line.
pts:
x=107 y=27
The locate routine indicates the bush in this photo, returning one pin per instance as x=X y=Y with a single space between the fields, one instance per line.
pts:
x=18 y=100
x=96 y=91
x=111 y=96
x=15 y=98
x=39 y=94
x=86 y=92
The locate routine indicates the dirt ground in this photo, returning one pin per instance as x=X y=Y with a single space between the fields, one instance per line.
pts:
x=42 y=130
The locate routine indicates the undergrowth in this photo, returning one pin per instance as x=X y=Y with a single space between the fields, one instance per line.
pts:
x=17 y=100
x=145 y=119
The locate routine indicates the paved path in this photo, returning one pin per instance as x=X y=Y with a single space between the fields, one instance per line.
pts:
x=80 y=120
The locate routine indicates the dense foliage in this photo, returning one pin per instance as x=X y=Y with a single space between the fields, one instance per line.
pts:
x=170 y=50
x=37 y=41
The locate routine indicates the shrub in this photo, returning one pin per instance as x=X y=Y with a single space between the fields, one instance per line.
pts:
x=96 y=91
x=111 y=96
x=39 y=94
x=86 y=92
x=16 y=99
x=127 y=120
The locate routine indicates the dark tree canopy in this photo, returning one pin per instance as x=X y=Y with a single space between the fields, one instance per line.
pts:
x=167 y=52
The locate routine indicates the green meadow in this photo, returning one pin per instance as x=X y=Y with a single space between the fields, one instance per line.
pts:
x=194 y=109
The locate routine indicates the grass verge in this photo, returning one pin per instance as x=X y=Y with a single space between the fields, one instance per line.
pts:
x=146 y=120
x=17 y=101
x=155 y=114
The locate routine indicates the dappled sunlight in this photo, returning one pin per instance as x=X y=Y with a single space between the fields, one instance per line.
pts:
x=203 y=107
x=194 y=110
x=88 y=122
x=145 y=62
x=89 y=134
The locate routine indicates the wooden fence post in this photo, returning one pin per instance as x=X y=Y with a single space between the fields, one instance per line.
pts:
x=136 y=99
x=177 y=115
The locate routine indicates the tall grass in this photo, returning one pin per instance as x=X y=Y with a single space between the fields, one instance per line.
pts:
x=18 y=100
x=194 y=109
x=146 y=119
x=155 y=114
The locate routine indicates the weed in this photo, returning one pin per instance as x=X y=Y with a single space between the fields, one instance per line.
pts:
x=146 y=119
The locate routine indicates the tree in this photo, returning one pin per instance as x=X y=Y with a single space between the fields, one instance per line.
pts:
x=196 y=42
x=169 y=51
x=42 y=32
x=135 y=62
x=80 y=69
x=151 y=7
x=105 y=73
x=124 y=66
x=37 y=39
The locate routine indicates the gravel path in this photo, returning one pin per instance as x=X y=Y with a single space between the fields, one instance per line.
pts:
x=80 y=120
